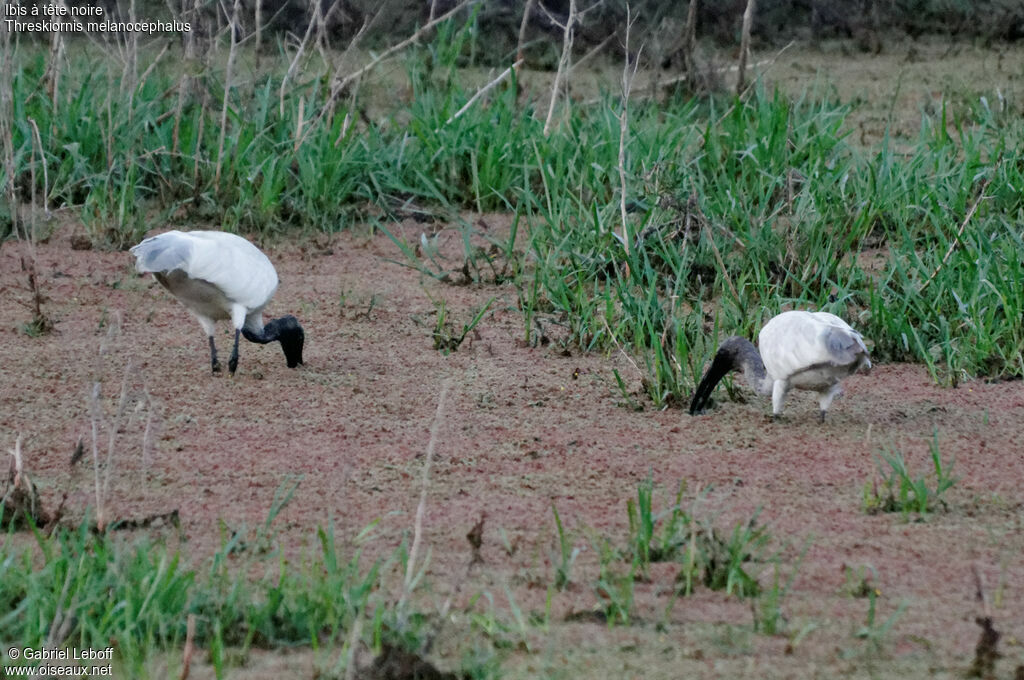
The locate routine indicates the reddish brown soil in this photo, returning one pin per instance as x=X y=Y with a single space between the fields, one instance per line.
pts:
x=523 y=428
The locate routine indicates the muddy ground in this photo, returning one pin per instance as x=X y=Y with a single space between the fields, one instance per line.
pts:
x=522 y=428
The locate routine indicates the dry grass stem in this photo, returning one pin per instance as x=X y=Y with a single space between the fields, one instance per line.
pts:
x=520 y=57
x=232 y=51
x=628 y=76
x=563 y=62
x=290 y=73
x=417 y=536
x=690 y=41
x=721 y=263
x=748 y=20
x=186 y=655
x=960 y=231
x=352 y=644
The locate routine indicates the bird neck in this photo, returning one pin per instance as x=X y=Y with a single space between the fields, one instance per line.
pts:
x=754 y=373
x=270 y=332
x=286 y=330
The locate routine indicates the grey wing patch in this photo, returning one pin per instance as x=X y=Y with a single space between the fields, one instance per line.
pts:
x=843 y=347
x=160 y=254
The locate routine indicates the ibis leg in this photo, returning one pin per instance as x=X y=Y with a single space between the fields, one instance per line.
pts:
x=233 y=361
x=779 y=390
x=214 y=364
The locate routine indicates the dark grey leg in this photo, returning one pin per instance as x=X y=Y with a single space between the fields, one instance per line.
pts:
x=233 y=361
x=822 y=417
x=214 y=364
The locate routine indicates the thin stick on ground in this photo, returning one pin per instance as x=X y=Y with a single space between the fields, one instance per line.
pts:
x=980 y=594
x=18 y=463
x=475 y=537
x=417 y=534
x=748 y=19
x=18 y=494
x=40 y=323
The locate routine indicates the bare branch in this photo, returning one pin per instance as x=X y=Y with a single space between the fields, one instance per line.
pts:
x=339 y=86
x=690 y=40
x=522 y=31
x=483 y=90
x=563 y=63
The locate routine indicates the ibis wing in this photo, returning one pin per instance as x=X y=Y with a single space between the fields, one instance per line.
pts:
x=163 y=253
x=230 y=263
x=795 y=341
x=234 y=265
x=843 y=346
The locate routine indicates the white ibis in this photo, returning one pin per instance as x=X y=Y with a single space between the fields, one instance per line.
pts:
x=218 y=275
x=805 y=350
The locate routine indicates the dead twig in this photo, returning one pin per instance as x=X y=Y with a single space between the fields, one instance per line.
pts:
x=748 y=19
x=522 y=33
x=234 y=28
x=186 y=655
x=341 y=85
x=979 y=591
x=483 y=90
x=690 y=40
x=417 y=534
x=295 y=63
x=563 y=62
x=628 y=75
x=475 y=538
x=19 y=497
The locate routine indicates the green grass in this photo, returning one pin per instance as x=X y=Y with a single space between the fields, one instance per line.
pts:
x=902 y=491
x=81 y=589
x=700 y=552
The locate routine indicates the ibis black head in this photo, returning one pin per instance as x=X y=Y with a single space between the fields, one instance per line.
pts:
x=287 y=331
x=734 y=352
x=292 y=337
